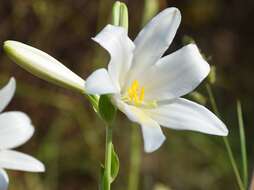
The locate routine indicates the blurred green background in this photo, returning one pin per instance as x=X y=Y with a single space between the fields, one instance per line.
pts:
x=69 y=138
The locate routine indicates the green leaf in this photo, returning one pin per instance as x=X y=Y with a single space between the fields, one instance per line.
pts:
x=243 y=143
x=107 y=109
x=114 y=164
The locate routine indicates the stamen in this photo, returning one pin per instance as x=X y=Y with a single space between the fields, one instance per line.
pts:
x=135 y=85
x=136 y=93
x=136 y=96
x=142 y=94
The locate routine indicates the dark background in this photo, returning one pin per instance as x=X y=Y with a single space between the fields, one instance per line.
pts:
x=69 y=138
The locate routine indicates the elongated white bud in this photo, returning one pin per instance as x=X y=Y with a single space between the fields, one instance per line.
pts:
x=43 y=65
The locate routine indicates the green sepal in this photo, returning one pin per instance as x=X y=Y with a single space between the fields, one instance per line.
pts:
x=106 y=109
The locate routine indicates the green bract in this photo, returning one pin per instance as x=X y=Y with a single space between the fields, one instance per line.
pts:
x=107 y=109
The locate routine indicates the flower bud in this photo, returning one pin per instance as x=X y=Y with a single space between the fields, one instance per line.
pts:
x=120 y=15
x=43 y=65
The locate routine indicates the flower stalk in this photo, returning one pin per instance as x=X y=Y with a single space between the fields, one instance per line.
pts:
x=108 y=158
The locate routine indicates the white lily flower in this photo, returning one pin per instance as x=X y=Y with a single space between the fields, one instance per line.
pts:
x=15 y=130
x=146 y=87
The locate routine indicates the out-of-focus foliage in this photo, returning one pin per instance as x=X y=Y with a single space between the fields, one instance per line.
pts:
x=69 y=138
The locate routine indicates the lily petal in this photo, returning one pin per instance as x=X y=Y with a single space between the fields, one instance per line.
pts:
x=151 y=130
x=15 y=129
x=182 y=114
x=14 y=160
x=154 y=39
x=4 y=180
x=176 y=74
x=6 y=93
x=99 y=82
x=43 y=65
x=153 y=135
x=116 y=41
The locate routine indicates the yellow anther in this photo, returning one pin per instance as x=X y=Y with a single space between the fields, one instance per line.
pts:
x=135 y=85
x=142 y=94
x=135 y=93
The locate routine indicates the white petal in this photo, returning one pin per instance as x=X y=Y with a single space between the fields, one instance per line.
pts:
x=4 y=180
x=14 y=160
x=43 y=65
x=99 y=82
x=176 y=74
x=15 y=129
x=155 y=38
x=6 y=93
x=116 y=41
x=152 y=133
x=182 y=114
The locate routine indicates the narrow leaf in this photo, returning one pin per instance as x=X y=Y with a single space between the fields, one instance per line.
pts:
x=243 y=144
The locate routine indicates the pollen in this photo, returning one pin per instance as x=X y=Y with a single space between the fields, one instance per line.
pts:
x=136 y=93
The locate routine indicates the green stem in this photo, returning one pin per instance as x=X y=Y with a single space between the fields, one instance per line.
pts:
x=108 y=154
x=225 y=139
x=135 y=159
